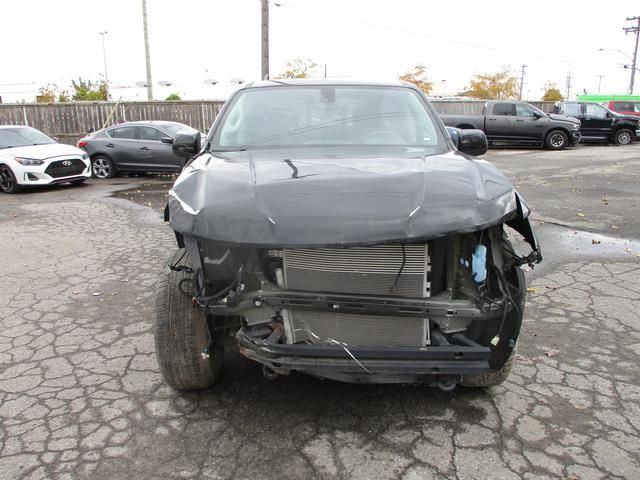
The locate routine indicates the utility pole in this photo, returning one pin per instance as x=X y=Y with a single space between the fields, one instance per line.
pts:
x=147 y=55
x=568 y=85
x=104 y=58
x=521 y=82
x=265 y=39
x=635 y=29
x=600 y=81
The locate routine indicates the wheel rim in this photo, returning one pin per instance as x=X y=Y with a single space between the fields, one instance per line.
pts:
x=101 y=167
x=6 y=180
x=624 y=138
x=557 y=140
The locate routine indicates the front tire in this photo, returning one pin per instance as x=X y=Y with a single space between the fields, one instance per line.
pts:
x=102 y=167
x=8 y=182
x=491 y=378
x=556 y=140
x=624 y=136
x=497 y=375
x=181 y=332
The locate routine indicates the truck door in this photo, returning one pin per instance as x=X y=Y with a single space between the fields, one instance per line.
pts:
x=596 y=123
x=500 y=120
x=529 y=125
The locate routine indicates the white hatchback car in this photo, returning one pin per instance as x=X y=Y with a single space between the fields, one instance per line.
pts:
x=29 y=157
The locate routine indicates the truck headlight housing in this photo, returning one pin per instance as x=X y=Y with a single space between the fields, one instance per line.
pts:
x=28 y=162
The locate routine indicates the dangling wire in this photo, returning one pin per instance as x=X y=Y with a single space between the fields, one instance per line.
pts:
x=404 y=261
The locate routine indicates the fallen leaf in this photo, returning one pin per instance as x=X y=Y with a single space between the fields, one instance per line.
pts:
x=580 y=406
x=579 y=214
x=97 y=294
x=114 y=293
x=551 y=354
x=614 y=227
x=531 y=290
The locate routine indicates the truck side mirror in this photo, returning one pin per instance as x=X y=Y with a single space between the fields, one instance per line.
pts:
x=186 y=143
x=472 y=142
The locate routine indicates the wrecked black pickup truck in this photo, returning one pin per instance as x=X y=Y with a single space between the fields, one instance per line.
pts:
x=340 y=230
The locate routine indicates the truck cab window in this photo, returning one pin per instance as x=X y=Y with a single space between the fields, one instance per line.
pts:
x=595 y=111
x=503 y=109
x=523 y=110
x=571 y=109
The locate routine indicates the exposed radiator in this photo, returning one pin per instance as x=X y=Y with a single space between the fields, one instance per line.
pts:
x=374 y=270
x=361 y=330
x=366 y=270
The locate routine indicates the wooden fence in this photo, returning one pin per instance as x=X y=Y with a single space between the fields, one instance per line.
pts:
x=70 y=121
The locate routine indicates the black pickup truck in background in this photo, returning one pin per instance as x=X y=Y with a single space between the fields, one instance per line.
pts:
x=601 y=124
x=519 y=123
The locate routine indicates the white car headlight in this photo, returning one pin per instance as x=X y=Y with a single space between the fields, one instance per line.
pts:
x=28 y=161
x=576 y=126
x=85 y=156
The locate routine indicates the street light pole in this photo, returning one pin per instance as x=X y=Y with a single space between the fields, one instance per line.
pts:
x=147 y=55
x=264 y=42
x=635 y=29
x=104 y=58
x=521 y=81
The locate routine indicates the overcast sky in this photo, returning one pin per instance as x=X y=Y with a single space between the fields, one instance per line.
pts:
x=191 y=40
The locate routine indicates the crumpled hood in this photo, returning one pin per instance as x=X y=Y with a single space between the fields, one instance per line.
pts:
x=42 y=152
x=566 y=118
x=267 y=199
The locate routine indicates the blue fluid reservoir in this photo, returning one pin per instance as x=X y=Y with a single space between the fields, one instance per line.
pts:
x=479 y=264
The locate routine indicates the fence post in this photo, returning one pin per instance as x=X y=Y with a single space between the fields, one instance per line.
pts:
x=24 y=115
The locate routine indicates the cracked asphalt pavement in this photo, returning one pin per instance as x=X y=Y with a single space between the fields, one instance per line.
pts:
x=81 y=395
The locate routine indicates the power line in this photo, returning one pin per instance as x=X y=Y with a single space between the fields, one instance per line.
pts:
x=439 y=38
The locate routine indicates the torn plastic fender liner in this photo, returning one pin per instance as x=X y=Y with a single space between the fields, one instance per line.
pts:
x=337 y=201
x=522 y=225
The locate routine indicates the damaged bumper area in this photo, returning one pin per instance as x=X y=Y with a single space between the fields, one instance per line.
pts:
x=431 y=312
x=434 y=364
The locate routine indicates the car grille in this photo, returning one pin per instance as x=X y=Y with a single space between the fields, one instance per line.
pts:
x=65 y=168
x=375 y=270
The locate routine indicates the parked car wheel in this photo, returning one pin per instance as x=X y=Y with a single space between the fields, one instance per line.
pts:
x=182 y=333
x=623 y=137
x=556 y=140
x=8 y=183
x=102 y=167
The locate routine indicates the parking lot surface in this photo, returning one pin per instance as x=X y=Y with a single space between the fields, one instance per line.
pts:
x=81 y=395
